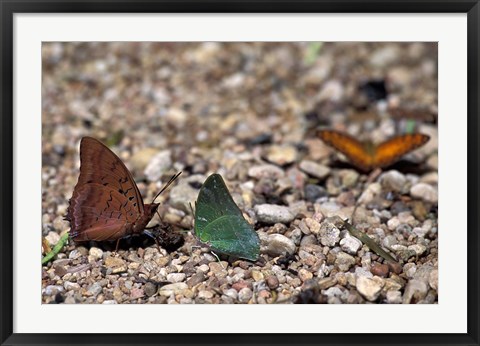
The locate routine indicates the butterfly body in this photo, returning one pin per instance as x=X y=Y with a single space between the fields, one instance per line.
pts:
x=368 y=156
x=220 y=224
x=106 y=203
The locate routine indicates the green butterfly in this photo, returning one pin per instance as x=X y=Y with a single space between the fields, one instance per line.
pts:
x=219 y=223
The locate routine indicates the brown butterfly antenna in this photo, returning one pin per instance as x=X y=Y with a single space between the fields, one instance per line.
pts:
x=172 y=179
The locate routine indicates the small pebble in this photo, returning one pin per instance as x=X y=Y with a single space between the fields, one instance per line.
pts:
x=393 y=181
x=158 y=165
x=314 y=169
x=176 y=277
x=174 y=288
x=314 y=192
x=245 y=294
x=380 y=270
x=272 y=214
x=150 y=289
x=195 y=279
x=329 y=233
x=350 y=245
x=52 y=238
x=266 y=171
x=369 y=288
x=415 y=291
x=272 y=282
x=433 y=279
x=116 y=264
x=96 y=253
x=278 y=245
x=95 y=289
x=344 y=261
x=304 y=275
x=282 y=154
x=136 y=293
x=424 y=191
x=394 y=297
x=326 y=283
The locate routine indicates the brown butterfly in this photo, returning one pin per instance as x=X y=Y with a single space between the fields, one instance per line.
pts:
x=367 y=156
x=106 y=203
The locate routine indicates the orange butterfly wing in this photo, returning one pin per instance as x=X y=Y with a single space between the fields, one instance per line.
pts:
x=393 y=149
x=349 y=146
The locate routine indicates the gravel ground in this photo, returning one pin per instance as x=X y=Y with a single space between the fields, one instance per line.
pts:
x=249 y=112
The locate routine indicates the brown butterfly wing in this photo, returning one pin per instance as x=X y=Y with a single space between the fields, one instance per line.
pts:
x=393 y=149
x=99 y=165
x=106 y=200
x=349 y=146
x=100 y=213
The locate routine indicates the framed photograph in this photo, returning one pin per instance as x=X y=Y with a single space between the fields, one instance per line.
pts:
x=310 y=173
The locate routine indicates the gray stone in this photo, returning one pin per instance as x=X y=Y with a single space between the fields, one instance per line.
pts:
x=158 y=165
x=423 y=273
x=418 y=248
x=361 y=271
x=314 y=169
x=272 y=214
x=344 y=261
x=245 y=294
x=394 y=297
x=393 y=181
x=372 y=190
x=333 y=292
x=141 y=158
x=350 y=244
x=183 y=195
x=176 y=277
x=409 y=269
x=150 y=289
x=314 y=192
x=330 y=209
x=329 y=233
x=424 y=191
x=349 y=177
x=389 y=241
x=95 y=289
x=278 y=245
x=51 y=290
x=266 y=171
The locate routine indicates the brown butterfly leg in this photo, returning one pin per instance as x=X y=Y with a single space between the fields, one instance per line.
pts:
x=116 y=247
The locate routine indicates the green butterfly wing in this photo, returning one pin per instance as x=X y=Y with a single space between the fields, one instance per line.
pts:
x=220 y=223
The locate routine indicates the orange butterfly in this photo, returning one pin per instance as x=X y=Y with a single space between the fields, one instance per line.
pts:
x=368 y=156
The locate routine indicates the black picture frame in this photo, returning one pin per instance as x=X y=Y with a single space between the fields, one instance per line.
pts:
x=7 y=175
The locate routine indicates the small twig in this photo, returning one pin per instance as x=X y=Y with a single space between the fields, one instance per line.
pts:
x=56 y=249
